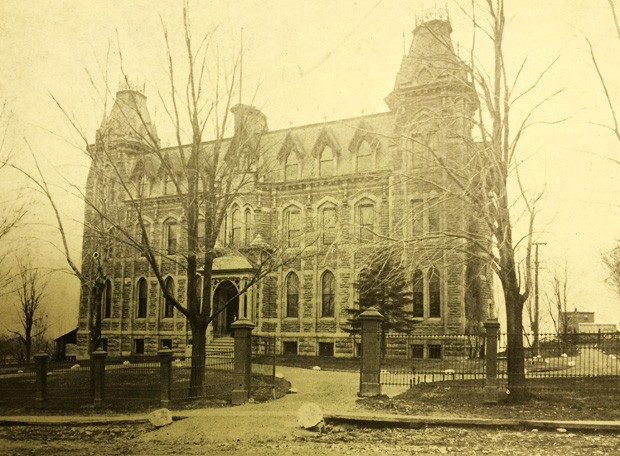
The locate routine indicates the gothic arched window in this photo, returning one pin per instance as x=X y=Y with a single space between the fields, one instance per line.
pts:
x=249 y=226
x=168 y=306
x=434 y=293
x=418 y=294
x=328 y=294
x=107 y=299
x=171 y=233
x=142 y=298
x=235 y=227
x=292 y=295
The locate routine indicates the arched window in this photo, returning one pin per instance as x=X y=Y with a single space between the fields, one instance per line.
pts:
x=291 y=167
x=292 y=226
x=328 y=294
x=366 y=220
x=249 y=226
x=434 y=293
x=364 y=157
x=235 y=227
x=107 y=299
x=171 y=237
x=292 y=295
x=327 y=166
x=142 y=295
x=418 y=294
x=168 y=306
x=328 y=224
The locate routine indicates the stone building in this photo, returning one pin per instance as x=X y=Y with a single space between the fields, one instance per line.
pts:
x=335 y=191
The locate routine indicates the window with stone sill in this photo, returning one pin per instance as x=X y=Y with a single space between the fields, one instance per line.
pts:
x=292 y=227
x=142 y=298
x=168 y=303
x=328 y=224
x=107 y=299
x=292 y=295
x=328 y=294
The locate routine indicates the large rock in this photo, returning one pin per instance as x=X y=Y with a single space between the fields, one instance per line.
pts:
x=161 y=417
x=310 y=416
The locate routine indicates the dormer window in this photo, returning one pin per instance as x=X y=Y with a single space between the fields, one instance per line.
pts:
x=327 y=164
x=364 y=157
x=291 y=167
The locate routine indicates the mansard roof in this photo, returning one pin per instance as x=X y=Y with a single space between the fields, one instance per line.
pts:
x=306 y=139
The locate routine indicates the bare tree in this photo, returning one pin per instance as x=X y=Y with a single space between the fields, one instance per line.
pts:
x=201 y=178
x=32 y=316
x=611 y=259
x=558 y=308
x=477 y=170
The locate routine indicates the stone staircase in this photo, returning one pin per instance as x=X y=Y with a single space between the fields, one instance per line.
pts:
x=220 y=345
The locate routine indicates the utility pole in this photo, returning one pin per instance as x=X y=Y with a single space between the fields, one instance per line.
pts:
x=536 y=322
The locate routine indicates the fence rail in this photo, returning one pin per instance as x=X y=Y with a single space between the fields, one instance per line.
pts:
x=217 y=380
x=408 y=360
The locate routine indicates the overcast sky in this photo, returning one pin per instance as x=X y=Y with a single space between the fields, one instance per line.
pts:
x=306 y=61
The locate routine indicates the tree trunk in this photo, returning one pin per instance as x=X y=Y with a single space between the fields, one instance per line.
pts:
x=515 y=353
x=197 y=370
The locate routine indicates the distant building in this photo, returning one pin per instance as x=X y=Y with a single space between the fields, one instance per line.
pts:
x=583 y=322
x=333 y=189
x=66 y=348
x=596 y=328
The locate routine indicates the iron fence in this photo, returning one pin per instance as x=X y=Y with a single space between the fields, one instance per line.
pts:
x=576 y=356
x=69 y=383
x=217 y=376
x=408 y=360
x=17 y=385
x=132 y=380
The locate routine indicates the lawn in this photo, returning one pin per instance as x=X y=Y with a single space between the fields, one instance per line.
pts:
x=593 y=398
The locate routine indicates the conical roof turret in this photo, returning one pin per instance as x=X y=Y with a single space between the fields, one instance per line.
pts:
x=129 y=120
x=431 y=61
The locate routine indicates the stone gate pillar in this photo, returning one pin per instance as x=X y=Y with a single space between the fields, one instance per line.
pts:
x=491 y=393
x=41 y=379
x=98 y=365
x=165 y=376
x=242 y=376
x=370 y=369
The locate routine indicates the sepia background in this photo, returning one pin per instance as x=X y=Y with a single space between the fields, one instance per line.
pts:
x=304 y=62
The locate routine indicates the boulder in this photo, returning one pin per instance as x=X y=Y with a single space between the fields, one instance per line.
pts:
x=160 y=417
x=316 y=368
x=75 y=366
x=310 y=416
x=126 y=363
x=293 y=390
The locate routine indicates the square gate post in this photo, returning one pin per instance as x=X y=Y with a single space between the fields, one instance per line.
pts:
x=370 y=368
x=491 y=392
x=98 y=365
x=165 y=376
x=242 y=376
x=41 y=379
